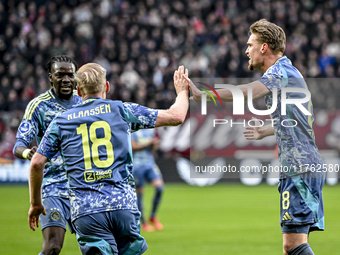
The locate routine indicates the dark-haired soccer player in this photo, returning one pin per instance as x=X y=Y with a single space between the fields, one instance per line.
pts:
x=94 y=139
x=300 y=187
x=38 y=115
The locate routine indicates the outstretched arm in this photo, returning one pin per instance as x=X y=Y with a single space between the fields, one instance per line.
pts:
x=35 y=182
x=177 y=112
x=258 y=133
x=257 y=87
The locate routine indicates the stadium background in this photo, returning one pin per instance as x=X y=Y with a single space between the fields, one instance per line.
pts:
x=141 y=43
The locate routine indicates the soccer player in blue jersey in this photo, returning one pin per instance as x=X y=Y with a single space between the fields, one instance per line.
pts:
x=300 y=187
x=38 y=115
x=145 y=168
x=95 y=143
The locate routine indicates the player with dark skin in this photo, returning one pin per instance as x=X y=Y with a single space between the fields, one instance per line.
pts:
x=62 y=79
x=62 y=82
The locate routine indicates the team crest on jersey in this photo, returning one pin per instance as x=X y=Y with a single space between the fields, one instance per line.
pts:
x=24 y=127
x=55 y=215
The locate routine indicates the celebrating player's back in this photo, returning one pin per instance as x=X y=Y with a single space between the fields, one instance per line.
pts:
x=94 y=140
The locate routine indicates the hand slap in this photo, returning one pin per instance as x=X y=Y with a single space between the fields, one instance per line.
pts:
x=179 y=81
x=194 y=90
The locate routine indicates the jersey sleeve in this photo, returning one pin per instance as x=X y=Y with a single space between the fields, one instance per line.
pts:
x=140 y=117
x=272 y=78
x=29 y=126
x=50 y=143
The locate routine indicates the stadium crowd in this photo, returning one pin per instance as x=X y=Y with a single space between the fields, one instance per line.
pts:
x=142 y=42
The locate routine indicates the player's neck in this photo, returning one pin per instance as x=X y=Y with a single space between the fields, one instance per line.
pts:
x=269 y=61
x=99 y=94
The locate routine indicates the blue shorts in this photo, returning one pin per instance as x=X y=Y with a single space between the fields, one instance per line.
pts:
x=301 y=204
x=147 y=172
x=110 y=233
x=57 y=213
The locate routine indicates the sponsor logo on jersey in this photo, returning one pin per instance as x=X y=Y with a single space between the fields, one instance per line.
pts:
x=91 y=176
x=24 y=127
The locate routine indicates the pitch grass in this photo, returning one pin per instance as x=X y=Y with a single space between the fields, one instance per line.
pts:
x=221 y=219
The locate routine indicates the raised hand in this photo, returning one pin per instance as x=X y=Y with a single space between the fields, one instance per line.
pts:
x=181 y=84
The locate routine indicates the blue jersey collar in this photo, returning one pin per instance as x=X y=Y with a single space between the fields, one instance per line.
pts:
x=282 y=58
x=90 y=99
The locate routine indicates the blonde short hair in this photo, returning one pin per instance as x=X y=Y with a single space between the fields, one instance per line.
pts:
x=91 y=79
x=271 y=34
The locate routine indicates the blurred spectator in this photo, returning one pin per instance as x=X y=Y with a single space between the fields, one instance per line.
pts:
x=129 y=76
x=8 y=138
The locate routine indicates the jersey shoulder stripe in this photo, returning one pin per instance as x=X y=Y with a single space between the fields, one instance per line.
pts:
x=34 y=103
x=51 y=94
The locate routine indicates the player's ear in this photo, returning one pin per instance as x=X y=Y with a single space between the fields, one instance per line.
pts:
x=50 y=78
x=264 y=47
x=78 y=90
x=107 y=87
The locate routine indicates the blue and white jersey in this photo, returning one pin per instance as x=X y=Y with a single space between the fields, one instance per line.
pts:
x=38 y=116
x=143 y=157
x=95 y=142
x=297 y=148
